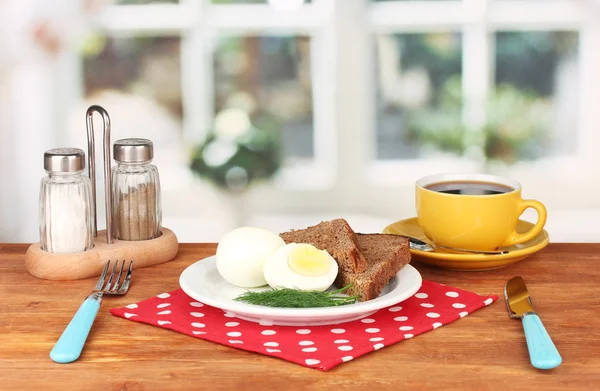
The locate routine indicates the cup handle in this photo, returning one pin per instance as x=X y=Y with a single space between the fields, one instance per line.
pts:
x=516 y=238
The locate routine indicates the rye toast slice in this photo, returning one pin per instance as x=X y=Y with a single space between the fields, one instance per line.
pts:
x=386 y=255
x=337 y=238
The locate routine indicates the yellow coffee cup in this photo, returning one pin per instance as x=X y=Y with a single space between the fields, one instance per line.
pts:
x=474 y=211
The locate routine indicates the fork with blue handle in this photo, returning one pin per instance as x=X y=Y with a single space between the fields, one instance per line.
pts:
x=70 y=344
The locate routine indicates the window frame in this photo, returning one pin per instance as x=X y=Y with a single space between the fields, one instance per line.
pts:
x=344 y=173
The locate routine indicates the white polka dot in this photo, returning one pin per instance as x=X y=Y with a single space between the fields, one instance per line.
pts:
x=488 y=301
x=232 y=341
x=271 y=344
x=197 y=314
x=463 y=314
x=273 y=350
x=378 y=346
x=234 y=334
x=368 y=320
x=458 y=305
x=163 y=295
x=306 y=343
x=341 y=341
x=198 y=325
x=395 y=309
x=303 y=331
x=268 y=332
x=198 y=332
x=401 y=318
x=309 y=350
x=408 y=336
x=167 y=312
x=128 y=315
x=376 y=339
x=345 y=348
x=421 y=295
x=406 y=328
x=338 y=331
x=163 y=305
x=132 y=306
x=265 y=323
x=373 y=330
x=432 y=315
x=232 y=324
x=229 y=315
x=347 y=358
x=451 y=294
x=427 y=305
x=196 y=304
x=312 y=361
x=163 y=322
x=436 y=325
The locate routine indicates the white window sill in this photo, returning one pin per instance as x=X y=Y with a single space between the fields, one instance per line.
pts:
x=574 y=226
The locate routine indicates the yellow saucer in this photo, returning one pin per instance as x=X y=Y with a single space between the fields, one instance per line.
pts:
x=469 y=262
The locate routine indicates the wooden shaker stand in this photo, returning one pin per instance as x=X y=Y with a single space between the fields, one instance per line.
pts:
x=90 y=263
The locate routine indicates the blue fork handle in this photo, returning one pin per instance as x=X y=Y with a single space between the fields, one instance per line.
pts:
x=542 y=352
x=69 y=345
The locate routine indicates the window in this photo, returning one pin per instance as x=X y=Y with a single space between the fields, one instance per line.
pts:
x=142 y=66
x=270 y=75
x=537 y=84
x=369 y=95
x=418 y=91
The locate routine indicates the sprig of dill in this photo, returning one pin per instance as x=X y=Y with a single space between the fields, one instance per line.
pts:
x=293 y=298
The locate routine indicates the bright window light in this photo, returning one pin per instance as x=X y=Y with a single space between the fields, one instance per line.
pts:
x=286 y=4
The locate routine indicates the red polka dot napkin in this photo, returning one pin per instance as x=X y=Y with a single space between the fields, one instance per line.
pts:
x=320 y=347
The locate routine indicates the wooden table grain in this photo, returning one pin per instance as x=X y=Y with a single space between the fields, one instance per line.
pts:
x=484 y=351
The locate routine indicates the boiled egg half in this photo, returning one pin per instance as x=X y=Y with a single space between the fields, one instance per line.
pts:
x=300 y=266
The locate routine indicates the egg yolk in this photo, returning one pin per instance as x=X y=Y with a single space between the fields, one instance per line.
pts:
x=308 y=260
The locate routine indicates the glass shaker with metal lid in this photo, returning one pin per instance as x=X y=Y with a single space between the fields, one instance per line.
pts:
x=66 y=216
x=136 y=191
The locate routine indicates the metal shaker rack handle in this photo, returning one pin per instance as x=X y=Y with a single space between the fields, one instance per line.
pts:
x=107 y=169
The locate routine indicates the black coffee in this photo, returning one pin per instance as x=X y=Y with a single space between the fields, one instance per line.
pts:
x=469 y=188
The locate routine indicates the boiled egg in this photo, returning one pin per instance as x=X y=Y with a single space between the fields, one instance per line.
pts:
x=300 y=266
x=241 y=255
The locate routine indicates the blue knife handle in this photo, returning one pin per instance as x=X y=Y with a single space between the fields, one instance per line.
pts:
x=542 y=352
x=69 y=345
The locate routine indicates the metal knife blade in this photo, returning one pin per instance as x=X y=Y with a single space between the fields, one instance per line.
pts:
x=517 y=298
x=542 y=352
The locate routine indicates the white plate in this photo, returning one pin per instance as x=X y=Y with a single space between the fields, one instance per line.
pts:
x=201 y=281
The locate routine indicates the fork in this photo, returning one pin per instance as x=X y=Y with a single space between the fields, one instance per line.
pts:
x=68 y=347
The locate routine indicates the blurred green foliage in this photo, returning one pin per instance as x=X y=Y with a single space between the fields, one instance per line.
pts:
x=517 y=124
x=530 y=59
x=233 y=162
x=439 y=53
x=518 y=110
x=515 y=128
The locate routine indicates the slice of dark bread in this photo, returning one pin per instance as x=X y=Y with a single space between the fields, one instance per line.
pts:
x=337 y=238
x=386 y=255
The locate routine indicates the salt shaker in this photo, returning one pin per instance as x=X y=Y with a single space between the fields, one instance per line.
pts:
x=66 y=217
x=136 y=191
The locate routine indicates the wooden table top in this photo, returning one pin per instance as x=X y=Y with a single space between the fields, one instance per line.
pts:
x=483 y=351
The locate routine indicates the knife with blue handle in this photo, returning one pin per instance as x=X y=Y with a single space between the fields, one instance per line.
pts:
x=542 y=352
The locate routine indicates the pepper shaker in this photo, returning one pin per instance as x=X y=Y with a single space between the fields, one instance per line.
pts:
x=66 y=218
x=136 y=191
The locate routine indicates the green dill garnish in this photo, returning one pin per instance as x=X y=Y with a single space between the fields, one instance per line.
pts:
x=293 y=298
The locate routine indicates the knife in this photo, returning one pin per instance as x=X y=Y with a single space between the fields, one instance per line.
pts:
x=542 y=352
